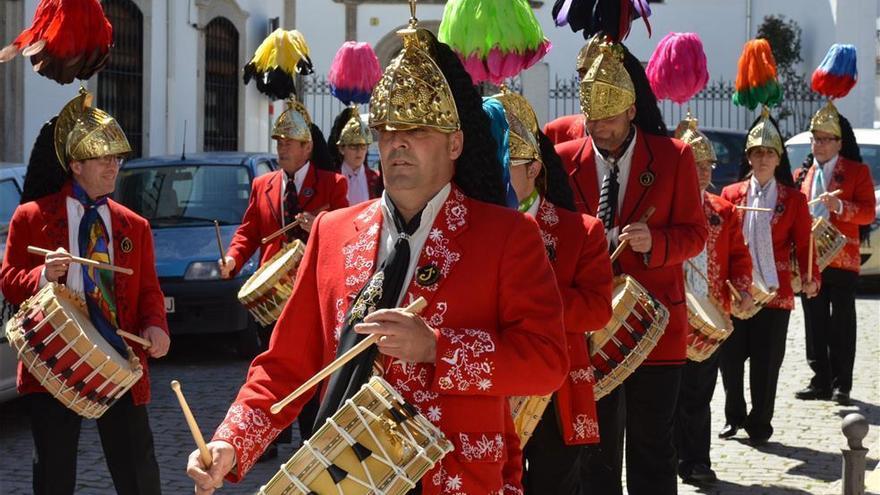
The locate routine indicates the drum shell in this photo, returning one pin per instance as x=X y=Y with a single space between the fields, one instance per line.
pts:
x=265 y=294
x=706 y=333
x=527 y=412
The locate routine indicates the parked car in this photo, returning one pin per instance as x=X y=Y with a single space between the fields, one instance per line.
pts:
x=869 y=145
x=181 y=198
x=729 y=146
x=11 y=185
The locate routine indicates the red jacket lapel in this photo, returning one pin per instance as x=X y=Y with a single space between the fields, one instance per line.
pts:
x=583 y=177
x=637 y=183
x=273 y=194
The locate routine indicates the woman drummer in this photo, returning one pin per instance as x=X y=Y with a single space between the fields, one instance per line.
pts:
x=777 y=222
x=578 y=252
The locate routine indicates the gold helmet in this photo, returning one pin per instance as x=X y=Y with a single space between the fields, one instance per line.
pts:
x=84 y=132
x=355 y=131
x=413 y=91
x=826 y=120
x=293 y=123
x=688 y=132
x=523 y=142
x=764 y=134
x=607 y=89
x=588 y=53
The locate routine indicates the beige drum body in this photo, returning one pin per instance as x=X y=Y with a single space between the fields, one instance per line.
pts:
x=761 y=295
x=59 y=346
x=396 y=447
x=709 y=327
x=527 y=412
x=637 y=322
x=266 y=292
x=829 y=243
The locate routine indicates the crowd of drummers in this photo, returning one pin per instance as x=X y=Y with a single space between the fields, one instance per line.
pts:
x=496 y=308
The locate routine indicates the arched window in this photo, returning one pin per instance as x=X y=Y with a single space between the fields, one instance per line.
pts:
x=221 y=85
x=121 y=82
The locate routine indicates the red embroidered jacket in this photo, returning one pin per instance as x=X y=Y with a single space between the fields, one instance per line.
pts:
x=139 y=300
x=791 y=230
x=727 y=257
x=857 y=194
x=663 y=175
x=566 y=128
x=263 y=215
x=495 y=308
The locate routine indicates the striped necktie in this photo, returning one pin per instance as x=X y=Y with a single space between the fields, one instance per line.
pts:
x=608 y=198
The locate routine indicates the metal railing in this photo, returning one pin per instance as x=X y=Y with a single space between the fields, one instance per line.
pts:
x=221 y=85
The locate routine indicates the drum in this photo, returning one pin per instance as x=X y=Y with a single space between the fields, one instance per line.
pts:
x=375 y=444
x=57 y=343
x=527 y=412
x=268 y=289
x=761 y=295
x=829 y=243
x=637 y=322
x=709 y=327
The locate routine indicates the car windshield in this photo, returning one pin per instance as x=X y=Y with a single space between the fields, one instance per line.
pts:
x=186 y=195
x=9 y=198
x=797 y=153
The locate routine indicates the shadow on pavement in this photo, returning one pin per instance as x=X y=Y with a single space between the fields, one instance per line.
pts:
x=723 y=487
x=871 y=412
x=814 y=463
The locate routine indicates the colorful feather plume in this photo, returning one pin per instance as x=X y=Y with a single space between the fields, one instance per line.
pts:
x=67 y=39
x=756 y=82
x=838 y=72
x=278 y=59
x=613 y=18
x=677 y=69
x=354 y=73
x=495 y=39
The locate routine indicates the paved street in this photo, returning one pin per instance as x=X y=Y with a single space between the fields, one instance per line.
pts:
x=802 y=458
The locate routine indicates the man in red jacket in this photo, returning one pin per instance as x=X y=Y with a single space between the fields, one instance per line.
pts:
x=623 y=167
x=492 y=327
x=297 y=192
x=90 y=156
x=725 y=258
x=830 y=317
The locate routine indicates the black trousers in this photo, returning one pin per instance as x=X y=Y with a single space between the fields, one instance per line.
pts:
x=643 y=407
x=125 y=436
x=551 y=465
x=693 y=417
x=830 y=320
x=761 y=339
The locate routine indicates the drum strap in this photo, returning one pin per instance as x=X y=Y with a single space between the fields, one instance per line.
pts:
x=380 y=292
x=94 y=240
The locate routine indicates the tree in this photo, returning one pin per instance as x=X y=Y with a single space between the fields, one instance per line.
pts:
x=785 y=42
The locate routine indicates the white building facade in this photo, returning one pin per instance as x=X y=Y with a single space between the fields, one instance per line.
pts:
x=175 y=73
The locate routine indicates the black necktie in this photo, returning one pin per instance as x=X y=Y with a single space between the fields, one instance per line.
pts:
x=608 y=198
x=291 y=208
x=380 y=292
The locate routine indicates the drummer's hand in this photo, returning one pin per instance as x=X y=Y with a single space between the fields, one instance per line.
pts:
x=831 y=202
x=306 y=220
x=227 y=264
x=810 y=289
x=223 y=458
x=56 y=264
x=639 y=236
x=745 y=302
x=404 y=336
x=159 y=340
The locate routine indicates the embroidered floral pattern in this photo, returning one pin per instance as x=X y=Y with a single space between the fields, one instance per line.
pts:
x=713 y=264
x=511 y=490
x=482 y=448
x=249 y=431
x=581 y=375
x=585 y=427
x=467 y=357
x=455 y=210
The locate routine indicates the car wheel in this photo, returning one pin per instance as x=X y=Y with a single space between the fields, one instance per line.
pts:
x=252 y=340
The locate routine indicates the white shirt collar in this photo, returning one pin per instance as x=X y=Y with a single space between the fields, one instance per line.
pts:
x=348 y=171
x=827 y=168
x=300 y=176
x=533 y=210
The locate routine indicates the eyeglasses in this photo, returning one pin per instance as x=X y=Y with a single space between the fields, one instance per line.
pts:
x=110 y=160
x=825 y=140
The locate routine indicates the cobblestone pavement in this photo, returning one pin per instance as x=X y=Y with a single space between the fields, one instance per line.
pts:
x=802 y=458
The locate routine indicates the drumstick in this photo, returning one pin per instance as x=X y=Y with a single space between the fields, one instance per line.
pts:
x=835 y=193
x=694 y=268
x=415 y=308
x=219 y=243
x=753 y=208
x=617 y=252
x=84 y=261
x=134 y=338
x=289 y=226
x=204 y=453
x=810 y=261
x=733 y=291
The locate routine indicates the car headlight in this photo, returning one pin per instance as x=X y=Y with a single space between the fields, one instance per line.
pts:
x=202 y=270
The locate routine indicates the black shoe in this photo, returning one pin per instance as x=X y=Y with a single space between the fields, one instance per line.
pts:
x=841 y=398
x=728 y=431
x=270 y=453
x=699 y=474
x=812 y=393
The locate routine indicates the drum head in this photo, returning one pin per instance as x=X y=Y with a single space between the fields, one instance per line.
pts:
x=275 y=267
x=75 y=313
x=707 y=311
